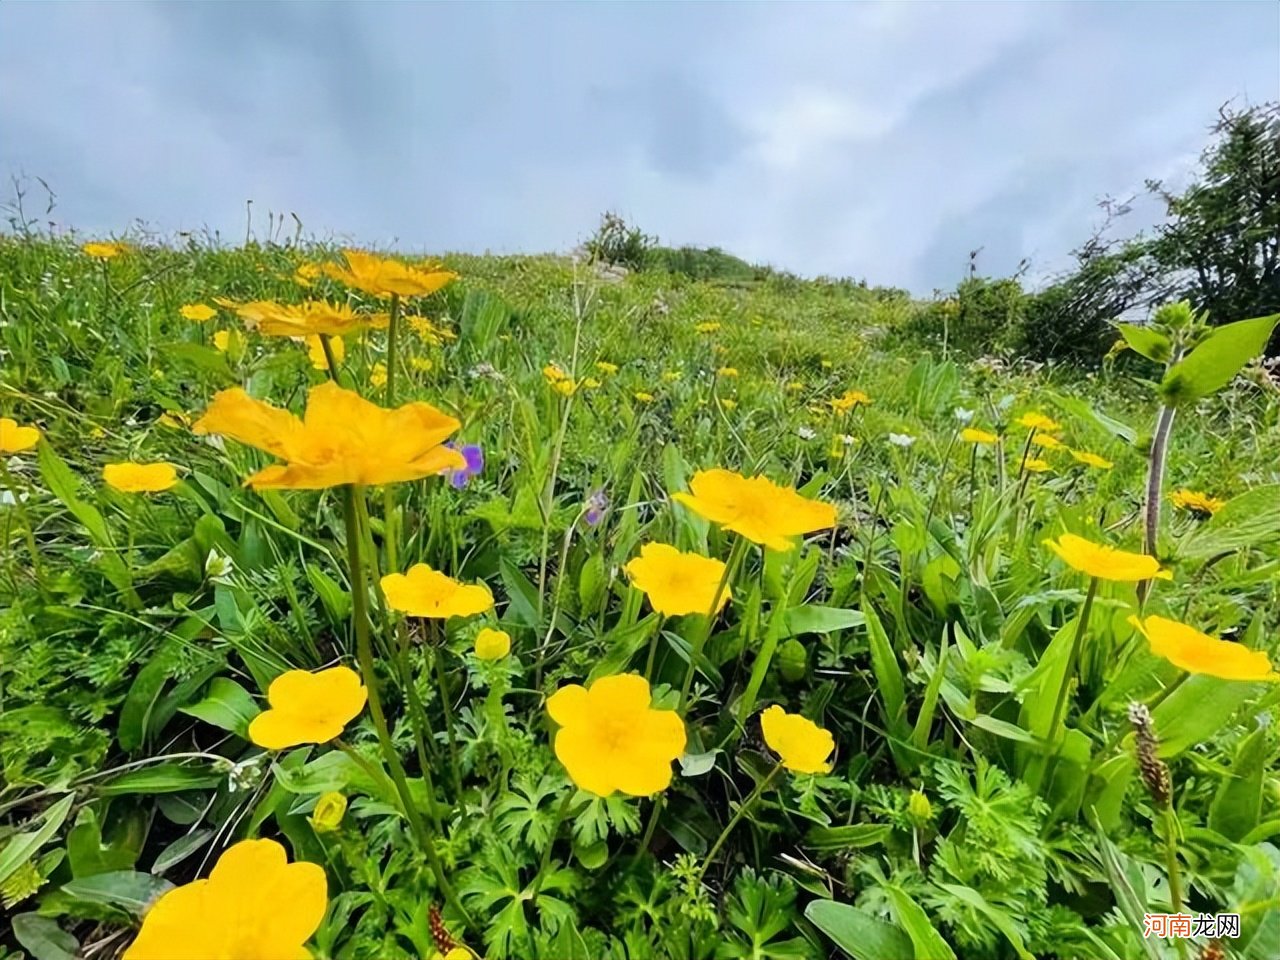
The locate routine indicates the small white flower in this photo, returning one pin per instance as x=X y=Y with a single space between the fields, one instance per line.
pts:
x=805 y=433
x=903 y=440
x=218 y=567
x=963 y=415
x=848 y=439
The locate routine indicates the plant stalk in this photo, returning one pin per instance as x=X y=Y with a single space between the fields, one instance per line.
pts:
x=733 y=821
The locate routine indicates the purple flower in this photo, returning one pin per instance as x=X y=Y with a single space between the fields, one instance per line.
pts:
x=474 y=457
x=597 y=504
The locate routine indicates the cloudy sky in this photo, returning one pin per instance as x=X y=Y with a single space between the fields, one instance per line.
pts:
x=876 y=141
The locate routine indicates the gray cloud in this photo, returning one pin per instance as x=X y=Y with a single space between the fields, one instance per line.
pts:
x=881 y=141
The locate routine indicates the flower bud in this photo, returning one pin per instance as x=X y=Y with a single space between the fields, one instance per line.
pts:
x=328 y=813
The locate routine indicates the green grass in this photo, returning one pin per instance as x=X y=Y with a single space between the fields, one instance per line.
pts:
x=928 y=632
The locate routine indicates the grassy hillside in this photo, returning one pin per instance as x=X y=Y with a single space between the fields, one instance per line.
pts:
x=985 y=796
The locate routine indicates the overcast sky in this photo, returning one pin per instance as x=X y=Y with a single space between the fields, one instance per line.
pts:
x=876 y=141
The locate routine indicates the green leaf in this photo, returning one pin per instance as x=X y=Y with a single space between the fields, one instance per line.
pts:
x=854 y=836
x=999 y=919
x=928 y=943
x=227 y=705
x=1002 y=728
x=1237 y=805
x=202 y=358
x=126 y=889
x=522 y=594
x=44 y=938
x=1249 y=520
x=591 y=584
x=623 y=644
x=1085 y=411
x=22 y=846
x=924 y=719
x=857 y=932
x=884 y=662
x=335 y=600
x=161 y=778
x=180 y=849
x=1197 y=710
x=810 y=618
x=1126 y=881
x=1149 y=342
x=1216 y=360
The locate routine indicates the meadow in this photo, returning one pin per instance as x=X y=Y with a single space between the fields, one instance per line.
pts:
x=521 y=607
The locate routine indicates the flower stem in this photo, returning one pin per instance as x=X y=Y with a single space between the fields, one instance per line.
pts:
x=437 y=655
x=28 y=531
x=561 y=810
x=653 y=649
x=329 y=358
x=1073 y=659
x=736 y=553
x=1171 y=856
x=733 y=821
x=1155 y=479
x=389 y=532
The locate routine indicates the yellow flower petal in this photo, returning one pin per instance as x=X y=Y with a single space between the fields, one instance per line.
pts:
x=132 y=477
x=1186 y=647
x=383 y=277
x=1091 y=460
x=755 y=507
x=677 y=583
x=800 y=744
x=423 y=592
x=1105 y=562
x=980 y=437
x=308 y=708
x=15 y=439
x=197 y=312
x=492 y=644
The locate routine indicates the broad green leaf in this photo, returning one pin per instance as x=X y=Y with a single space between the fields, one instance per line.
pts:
x=523 y=595
x=22 y=846
x=809 y=618
x=1197 y=710
x=854 y=836
x=180 y=849
x=623 y=644
x=857 y=932
x=1249 y=520
x=1086 y=411
x=1002 y=728
x=336 y=601
x=884 y=663
x=44 y=938
x=1216 y=360
x=1237 y=805
x=226 y=704
x=1127 y=886
x=928 y=943
x=126 y=889
x=161 y=778
x=999 y=919
x=592 y=581
x=1149 y=342
x=924 y=719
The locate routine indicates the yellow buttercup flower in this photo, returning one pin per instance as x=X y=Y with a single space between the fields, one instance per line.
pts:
x=566 y=388
x=827 y=364
x=730 y=372
x=591 y=383
x=422 y=364
x=727 y=403
x=755 y=507
x=670 y=376
x=643 y=397
x=1092 y=460
x=314 y=317
x=848 y=400
x=428 y=332
x=255 y=904
x=306 y=274
x=1104 y=562
x=343 y=438
x=709 y=327
x=553 y=373
x=315 y=351
x=105 y=251
x=611 y=739
x=198 y=312
x=1186 y=647
x=677 y=583
x=1038 y=421
x=605 y=367
x=308 y=707
x=328 y=813
x=382 y=277
x=801 y=745
x=1196 y=502
x=174 y=420
x=795 y=386
x=980 y=437
x=130 y=477
x=221 y=340
x=15 y=438
x=1036 y=465
x=423 y=592
x=378 y=375
x=492 y=644
x=1047 y=441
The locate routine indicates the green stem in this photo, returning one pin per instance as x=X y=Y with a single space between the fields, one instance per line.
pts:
x=131 y=515
x=437 y=655
x=390 y=535
x=1059 y=707
x=20 y=509
x=733 y=821
x=329 y=357
x=1171 y=864
x=736 y=553
x=650 y=828
x=561 y=810
x=653 y=649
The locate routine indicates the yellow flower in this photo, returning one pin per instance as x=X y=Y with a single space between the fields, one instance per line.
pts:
x=643 y=397
x=304 y=319
x=1104 y=562
x=755 y=507
x=423 y=592
x=1048 y=441
x=428 y=332
x=553 y=373
x=378 y=375
x=315 y=351
x=707 y=327
x=1038 y=421
x=849 y=400
x=308 y=707
x=1196 y=502
x=254 y=904
x=980 y=437
x=670 y=376
x=727 y=372
x=130 y=477
x=795 y=386
x=1092 y=460
x=199 y=312
x=801 y=744
x=421 y=364
x=1036 y=465
x=611 y=739
x=174 y=420
x=306 y=273
x=827 y=364
x=677 y=583
x=566 y=388
x=492 y=644
x=605 y=367
x=222 y=340
x=343 y=438
x=105 y=251
x=328 y=813
x=1186 y=647
x=382 y=277
x=591 y=383
x=15 y=439
x=727 y=403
